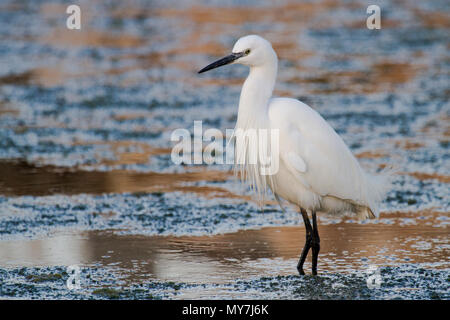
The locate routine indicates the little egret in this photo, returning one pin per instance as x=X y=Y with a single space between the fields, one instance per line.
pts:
x=317 y=171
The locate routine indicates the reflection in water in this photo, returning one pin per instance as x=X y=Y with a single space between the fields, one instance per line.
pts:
x=18 y=178
x=21 y=178
x=346 y=246
x=60 y=250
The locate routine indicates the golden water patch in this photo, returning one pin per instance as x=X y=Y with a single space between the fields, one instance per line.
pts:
x=7 y=108
x=379 y=77
x=371 y=154
x=19 y=178
x=433 y=19
x=92 y=38
x=408 y=144
x=429 y=176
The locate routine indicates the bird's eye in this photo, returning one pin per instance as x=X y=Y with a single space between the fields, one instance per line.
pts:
x=247 y=52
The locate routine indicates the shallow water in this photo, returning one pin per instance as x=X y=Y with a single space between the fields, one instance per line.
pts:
x=346 y=247
x=86 y=177
x=249 y=259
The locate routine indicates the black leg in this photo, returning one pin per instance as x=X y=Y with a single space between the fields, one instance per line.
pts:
x=308 y=242
x=315 y=244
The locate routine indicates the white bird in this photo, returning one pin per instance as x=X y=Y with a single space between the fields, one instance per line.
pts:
x=316 y=170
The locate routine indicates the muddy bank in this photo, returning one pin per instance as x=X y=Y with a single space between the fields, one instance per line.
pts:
x=403 y=282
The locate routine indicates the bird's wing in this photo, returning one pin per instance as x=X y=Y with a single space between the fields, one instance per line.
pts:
x=314 y=152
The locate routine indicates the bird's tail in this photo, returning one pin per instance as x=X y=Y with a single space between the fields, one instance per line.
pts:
x=378 y=186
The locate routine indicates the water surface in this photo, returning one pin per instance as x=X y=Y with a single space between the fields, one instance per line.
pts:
x=86 y=176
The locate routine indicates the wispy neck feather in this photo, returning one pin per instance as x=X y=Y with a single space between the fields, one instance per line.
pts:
x=253 y=115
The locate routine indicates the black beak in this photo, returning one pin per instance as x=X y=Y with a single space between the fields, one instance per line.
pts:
x=221 y=62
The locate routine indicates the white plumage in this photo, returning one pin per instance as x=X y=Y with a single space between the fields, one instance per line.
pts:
x=317 y=171
x=323 y=174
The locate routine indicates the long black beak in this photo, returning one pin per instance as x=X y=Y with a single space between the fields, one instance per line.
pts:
x=221 y=62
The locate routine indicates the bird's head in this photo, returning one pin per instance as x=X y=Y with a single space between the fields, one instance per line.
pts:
x=250 y=50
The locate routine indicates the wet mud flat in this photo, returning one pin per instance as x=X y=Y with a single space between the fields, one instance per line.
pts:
x=403 y=282
x=407 y=251
x=257 y=264
x=86 y=177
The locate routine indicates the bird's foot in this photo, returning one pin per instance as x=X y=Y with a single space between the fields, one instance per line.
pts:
x=300 y=271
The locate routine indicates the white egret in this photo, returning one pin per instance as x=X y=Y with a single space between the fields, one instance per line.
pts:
x=317 y=171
